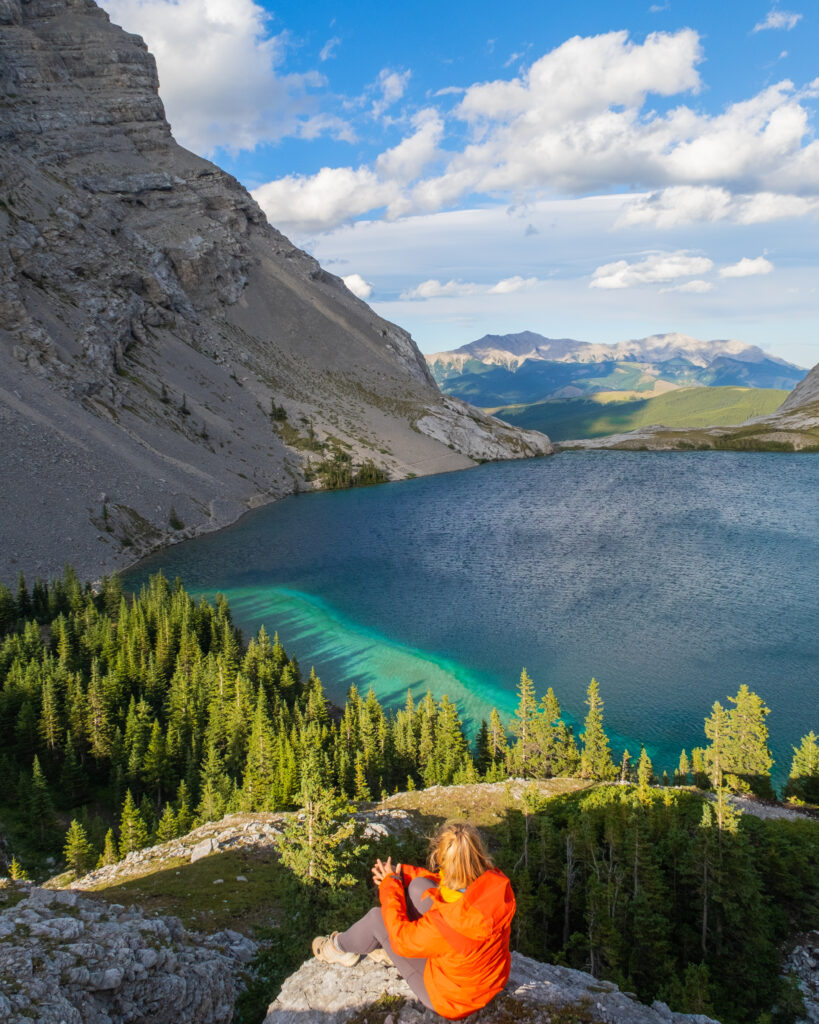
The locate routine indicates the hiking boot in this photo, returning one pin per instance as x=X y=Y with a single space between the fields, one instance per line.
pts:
x=325 y=949
x=381 y=956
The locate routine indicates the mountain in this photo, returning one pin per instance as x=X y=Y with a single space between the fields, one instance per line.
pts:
x=168 y=358
x=794 y=426
x=521 y=368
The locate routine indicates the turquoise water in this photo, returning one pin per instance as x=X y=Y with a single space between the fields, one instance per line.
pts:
x=671 y=577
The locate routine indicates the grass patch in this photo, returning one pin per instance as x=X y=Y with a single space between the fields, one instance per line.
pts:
x=601 y=415
x=482 y=804
x=188 y=891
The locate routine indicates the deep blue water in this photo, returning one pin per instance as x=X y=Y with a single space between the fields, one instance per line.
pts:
x=672 y=578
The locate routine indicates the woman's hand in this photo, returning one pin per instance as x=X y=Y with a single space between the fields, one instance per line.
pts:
x=381 y=869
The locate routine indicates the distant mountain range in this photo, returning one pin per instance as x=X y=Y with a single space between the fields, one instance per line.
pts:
x=519 y=369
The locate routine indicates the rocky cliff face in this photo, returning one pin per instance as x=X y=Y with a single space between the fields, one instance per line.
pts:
x=150 y=320
x=67 y=959
x=322 y=994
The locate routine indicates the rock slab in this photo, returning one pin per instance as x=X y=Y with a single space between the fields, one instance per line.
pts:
x=319 y=993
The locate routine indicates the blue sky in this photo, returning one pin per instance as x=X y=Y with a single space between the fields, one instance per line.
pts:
x=593 y=170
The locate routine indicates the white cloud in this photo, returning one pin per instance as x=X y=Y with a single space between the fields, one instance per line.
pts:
x=407 y=160
x=219 y=71
x=331 y=197
x=657 y=267
x=434 y=289
x=687 y=204
x=513 y=284
x=693 y=287
x=338 y=194
x=358 y=286
x=392 y=85
x=747 y=267
x=778 y=19
x=328 y=50
x=577 y=122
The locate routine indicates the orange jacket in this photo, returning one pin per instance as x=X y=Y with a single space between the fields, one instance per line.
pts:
x=466 y=942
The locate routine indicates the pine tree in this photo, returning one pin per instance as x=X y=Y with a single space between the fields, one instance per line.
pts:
x=523 y=726
x=596 y=760
x=40 y=807
x=17 y=872
x=748 y=756
x=320 y=844
x=716 y=729
x=213 y=788
x=498 y=744
x=154 y=764
x=109 y=853
x=166 y=829
x=133 y=833
x=803 y=782
x=78 y=852
x=681 y=774
x=645 y=774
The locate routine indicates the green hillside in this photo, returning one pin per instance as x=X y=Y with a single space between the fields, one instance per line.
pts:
x=603 y=414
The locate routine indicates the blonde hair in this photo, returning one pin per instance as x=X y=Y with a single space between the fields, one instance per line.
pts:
x=457 y=851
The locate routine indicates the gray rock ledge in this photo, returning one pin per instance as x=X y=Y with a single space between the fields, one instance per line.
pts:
x=321 y=994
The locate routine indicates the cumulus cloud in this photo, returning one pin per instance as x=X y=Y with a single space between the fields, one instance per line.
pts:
x=434 y=289
x=220 y=71
x=358 y=286
x=778 y=19
x=338 y=194
x=747 y=267
x=656 y=268
x=579 y=121
x=331 y=197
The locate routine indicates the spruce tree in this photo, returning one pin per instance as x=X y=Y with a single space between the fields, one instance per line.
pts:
x=716 y=729
x=166 y=829
x=78 y=852
x=498 y=744
x=523 y=726
x=595 y=760
x=109 y=853
x=40 y=807
x=133 y=833
x=681 y=774
x=320 y=845
x=748 y=756
x=803 y=782
x=645 y=774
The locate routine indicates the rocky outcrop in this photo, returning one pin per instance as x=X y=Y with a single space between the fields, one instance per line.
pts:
x=322 y=994
x=258 y=831
x=67 y=959
x=151 y=321
x=803 y=963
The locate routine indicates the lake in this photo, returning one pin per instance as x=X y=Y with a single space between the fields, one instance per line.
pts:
x=672 y=578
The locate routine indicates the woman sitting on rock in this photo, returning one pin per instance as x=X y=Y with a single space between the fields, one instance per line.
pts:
x=446 y=929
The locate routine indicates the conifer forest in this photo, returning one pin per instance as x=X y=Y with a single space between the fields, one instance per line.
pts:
x=127 y=720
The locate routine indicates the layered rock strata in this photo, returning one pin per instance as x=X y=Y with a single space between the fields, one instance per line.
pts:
x=151 y=321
